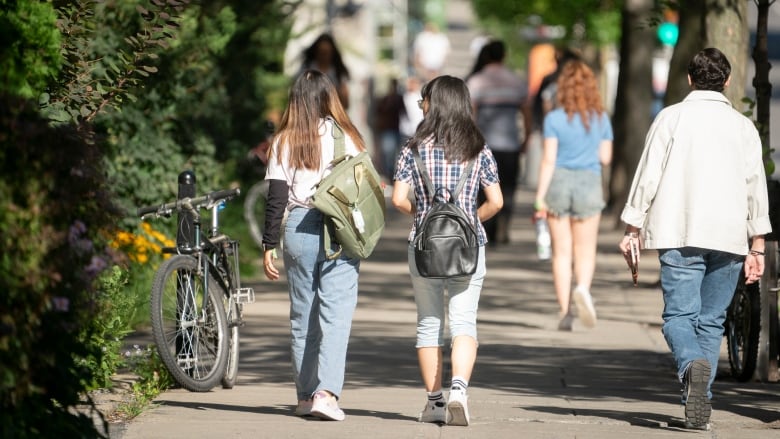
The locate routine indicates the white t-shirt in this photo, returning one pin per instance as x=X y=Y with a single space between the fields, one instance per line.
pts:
x=432 y=49
x=302 y=181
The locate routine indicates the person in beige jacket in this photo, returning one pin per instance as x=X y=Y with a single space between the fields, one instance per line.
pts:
x=699 y=196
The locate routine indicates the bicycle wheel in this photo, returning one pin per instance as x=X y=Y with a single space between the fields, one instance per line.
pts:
x=189 y=324
x=742 y=329
x=231 y=370
x=254 y=210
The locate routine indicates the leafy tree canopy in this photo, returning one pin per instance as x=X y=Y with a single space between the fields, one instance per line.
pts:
x=29 y=47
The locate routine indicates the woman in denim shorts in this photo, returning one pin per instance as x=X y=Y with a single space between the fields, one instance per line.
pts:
x=577 y=143
x=447 y=139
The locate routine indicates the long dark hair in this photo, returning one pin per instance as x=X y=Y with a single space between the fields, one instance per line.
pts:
x=449 y=120
x=310 y=54
x=492 y=52
x=312 y=97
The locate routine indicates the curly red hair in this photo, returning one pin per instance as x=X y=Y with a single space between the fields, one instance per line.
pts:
x=578 y=92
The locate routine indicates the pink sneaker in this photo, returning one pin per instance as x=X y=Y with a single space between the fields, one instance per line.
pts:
x=326 y=407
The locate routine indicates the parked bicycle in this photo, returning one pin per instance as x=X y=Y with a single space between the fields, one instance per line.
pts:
x=747 y=316
x=197 y=298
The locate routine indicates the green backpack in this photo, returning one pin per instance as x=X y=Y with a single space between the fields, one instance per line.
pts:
x=353 y=203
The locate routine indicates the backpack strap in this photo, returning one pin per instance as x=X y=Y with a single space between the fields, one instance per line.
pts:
x=429 y=184
x=339 y=150
x=339 y=153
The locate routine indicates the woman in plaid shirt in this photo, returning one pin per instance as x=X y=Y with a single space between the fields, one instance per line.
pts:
x=447 y=139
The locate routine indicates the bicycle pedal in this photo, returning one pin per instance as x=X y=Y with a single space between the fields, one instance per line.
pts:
x=245 y=295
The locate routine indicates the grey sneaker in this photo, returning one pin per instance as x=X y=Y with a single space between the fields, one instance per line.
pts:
x=303 y=408
x=697 y=406
x=566 y=323
x=435 y=412
x=457 y=407
x=585 y=310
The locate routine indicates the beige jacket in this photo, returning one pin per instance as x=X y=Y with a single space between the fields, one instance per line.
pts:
x=700 y=181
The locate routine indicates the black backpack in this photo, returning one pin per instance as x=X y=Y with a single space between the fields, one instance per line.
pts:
x=445 y=242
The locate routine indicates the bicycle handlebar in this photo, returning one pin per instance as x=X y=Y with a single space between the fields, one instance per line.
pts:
x=188 y=203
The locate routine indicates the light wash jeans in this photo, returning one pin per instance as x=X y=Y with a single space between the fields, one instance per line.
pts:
x=323 y=296
x=463 y=302
x=698 y=285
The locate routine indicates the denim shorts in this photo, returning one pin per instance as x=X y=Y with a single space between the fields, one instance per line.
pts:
x=460 y=310
x=575 y=192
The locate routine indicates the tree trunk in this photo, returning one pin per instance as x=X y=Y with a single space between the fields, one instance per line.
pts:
x=631 y=118
x=691 y=26
x=726 y=28
x=761 y=80
x=718 y=23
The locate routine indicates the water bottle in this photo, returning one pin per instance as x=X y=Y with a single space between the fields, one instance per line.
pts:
x=543 y=240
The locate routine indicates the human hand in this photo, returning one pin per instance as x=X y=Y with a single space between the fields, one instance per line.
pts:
x=626 y=242
x=540 y=209
x=754 y=267
x=271 y=272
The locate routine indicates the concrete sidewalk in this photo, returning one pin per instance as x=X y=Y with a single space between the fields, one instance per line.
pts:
x=531 y=380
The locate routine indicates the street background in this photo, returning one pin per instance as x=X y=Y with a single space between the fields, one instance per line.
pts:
x=531 y=380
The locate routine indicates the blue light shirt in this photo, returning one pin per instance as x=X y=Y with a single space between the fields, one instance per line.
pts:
x=577 y=148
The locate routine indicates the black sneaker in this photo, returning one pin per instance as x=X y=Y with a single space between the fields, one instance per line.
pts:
x=697 y=406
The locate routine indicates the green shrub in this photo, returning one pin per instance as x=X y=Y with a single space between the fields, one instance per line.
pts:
x=114 y=313
x=54 y=212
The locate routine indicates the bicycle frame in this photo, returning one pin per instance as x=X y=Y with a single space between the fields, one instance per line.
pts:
x=215 y=249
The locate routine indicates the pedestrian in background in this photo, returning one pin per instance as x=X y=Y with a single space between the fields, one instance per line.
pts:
x=387 y=118
x=323 y=55
x=430 y=50
x=323 y=293
x=698 y=194
x=543 y=100
x=447 y=139
x=577 y=143
x=412 y=115
x=498 y=97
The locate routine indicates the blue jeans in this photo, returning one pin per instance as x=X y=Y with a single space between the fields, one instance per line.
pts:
x=323 y=296
x=698 y=285
x=390 y=144
x=464 y=299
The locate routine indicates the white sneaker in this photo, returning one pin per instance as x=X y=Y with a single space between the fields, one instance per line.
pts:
x=585 y=309
x=457 y=407
x=304 y=408
x=435 y=412
x=326 y=407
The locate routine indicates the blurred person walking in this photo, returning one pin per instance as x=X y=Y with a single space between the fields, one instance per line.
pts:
x=498 y=97
x=323 y=55
x=323 y=293
x=447 y=140
x=577 y=143
x=387 y=119
x=413 y=114
x=698 y=195
x=430 y=50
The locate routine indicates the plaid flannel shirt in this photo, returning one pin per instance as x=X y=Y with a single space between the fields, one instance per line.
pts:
x=446 y=174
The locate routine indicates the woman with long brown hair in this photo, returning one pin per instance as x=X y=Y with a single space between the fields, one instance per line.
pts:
x=323 y=293
x=577 y=143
